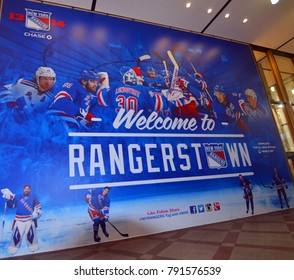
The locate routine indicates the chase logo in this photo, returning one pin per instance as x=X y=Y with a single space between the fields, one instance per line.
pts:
x=215 y=155
x=201 y=208
x=37 y=20
x=193 y=209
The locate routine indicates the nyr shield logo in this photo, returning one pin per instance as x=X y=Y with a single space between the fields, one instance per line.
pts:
x=37 y=20
x=215 y=155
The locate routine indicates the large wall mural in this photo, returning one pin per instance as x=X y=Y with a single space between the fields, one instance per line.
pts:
x=113 y=129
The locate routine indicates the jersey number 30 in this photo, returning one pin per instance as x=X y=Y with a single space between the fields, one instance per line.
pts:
x=127 y=103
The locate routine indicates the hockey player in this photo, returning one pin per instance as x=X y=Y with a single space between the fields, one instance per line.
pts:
x=254 y=110
x=28 y=210
x=279 y=182
x=229 y=109
x=74 y=100
x=246 y=186
x=26 y=96
x=98 y=209
x=152 y=79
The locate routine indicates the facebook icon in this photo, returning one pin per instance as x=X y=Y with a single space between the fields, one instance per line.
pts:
x=193 y=209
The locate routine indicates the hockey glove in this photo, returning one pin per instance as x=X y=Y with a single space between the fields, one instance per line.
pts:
x=37 y=213
x=89 y=117
x=106 y=217
x=198 y=76
x=83 y=116
x=88 y=198
x=7 y=194
x=184 y=84
x=103 y=79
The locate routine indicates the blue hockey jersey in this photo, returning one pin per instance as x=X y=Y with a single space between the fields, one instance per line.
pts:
x=24 y=204
x=230 y=112
x=72 y=99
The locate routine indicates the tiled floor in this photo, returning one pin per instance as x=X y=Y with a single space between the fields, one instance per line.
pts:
x=267 y=237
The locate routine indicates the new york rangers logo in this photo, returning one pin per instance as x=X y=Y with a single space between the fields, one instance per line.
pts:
x=215 y=155
x=38 y=20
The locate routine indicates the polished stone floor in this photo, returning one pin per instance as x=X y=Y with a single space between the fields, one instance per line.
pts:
x=262 y=237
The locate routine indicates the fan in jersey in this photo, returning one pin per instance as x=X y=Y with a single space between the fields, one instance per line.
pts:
x=73 y=101
x=28 y=210
x=229 y=108
x=27 y=96
x=130 y=93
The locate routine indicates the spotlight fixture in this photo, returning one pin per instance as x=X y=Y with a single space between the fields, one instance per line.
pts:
x=245 y=20
x=274 y=1
x=209 y=11
x=227 y=15
x=188 y=5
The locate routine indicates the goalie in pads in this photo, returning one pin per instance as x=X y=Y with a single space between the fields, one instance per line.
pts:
x=28 y=210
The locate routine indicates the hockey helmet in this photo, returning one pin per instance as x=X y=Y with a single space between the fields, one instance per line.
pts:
x=133 y=76
x=45 y=72
x=219 y=88
x=89 y=75
x=250 y=92
x=150 y=69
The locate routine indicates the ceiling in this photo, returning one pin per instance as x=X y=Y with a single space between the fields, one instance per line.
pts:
x=269 y=26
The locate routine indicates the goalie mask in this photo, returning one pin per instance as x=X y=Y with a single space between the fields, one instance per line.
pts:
x=133 y=76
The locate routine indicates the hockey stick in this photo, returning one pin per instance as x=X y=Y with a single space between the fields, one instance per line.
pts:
x=122 y=234
x=3 y=221
x=143 y=58
x=176 y=69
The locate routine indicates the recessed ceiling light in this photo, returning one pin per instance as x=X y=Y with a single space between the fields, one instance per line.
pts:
x=227 y=15
x=188 y=4
x=274 y=1
x=209 y=11
x=245 y=20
